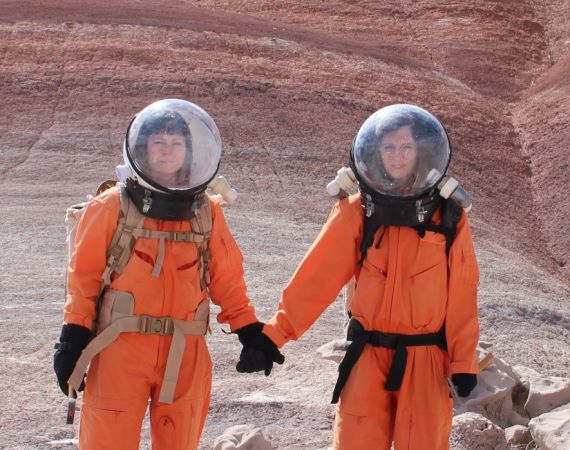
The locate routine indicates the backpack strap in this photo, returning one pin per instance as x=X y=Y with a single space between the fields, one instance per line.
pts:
x=130 y=228
x=359 y=338
x=450 y=215
x=123 y=241
x=369 y=229
x=202 y=224
x=164 y=326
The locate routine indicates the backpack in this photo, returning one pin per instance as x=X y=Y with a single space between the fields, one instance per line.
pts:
x=130 y=228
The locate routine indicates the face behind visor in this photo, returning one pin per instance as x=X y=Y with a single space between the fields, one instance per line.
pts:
x=173 y=147
x=401 y=151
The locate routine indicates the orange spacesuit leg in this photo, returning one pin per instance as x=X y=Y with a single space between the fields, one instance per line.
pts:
x=351 y=432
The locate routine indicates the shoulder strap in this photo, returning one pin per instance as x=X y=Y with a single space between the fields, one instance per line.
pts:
x=450 y=216
x=130 y=228
x=369 y=229
x=202 y=225
x=119 y=252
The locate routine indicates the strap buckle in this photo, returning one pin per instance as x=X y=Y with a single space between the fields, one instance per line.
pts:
x=163 y=326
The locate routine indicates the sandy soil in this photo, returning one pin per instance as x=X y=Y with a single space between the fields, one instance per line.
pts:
x=288 y=83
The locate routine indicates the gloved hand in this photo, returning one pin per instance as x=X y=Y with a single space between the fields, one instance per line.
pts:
x=464 y=383
x=73 y=340
x=259 y=352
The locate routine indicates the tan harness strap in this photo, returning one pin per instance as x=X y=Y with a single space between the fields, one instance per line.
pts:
x=180 y=236
x=123 y=240
x=159 y=258
x=133 y=221
x=130 y=228
x=102 y=340
x=176 y=351
x=164 y=326
x=202 y=223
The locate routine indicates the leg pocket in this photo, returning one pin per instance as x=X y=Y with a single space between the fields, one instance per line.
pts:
x=178 y=425
x=108 y=429
x=423 y=431
x=352 y=432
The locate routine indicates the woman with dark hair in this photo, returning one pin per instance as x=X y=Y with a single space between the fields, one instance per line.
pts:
x=392 y=147
x=164 y=148
x=414 y=309
x=149 y=255
x=398 y=153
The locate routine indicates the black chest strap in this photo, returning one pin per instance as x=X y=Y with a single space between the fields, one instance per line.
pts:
x=360 y=337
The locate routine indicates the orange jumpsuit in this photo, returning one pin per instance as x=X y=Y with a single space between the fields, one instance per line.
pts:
x=407 y=285
x=123 y=377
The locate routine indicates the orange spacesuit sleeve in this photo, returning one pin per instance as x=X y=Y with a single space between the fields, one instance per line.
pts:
x=328 y=265
x=88 y=260
x=227 y=285
x=462 y=323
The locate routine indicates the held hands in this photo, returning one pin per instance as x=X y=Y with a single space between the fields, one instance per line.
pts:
x=73 y=340
x=464 y=383
x=259 y=352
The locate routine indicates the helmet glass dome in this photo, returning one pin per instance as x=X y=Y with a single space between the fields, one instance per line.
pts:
x=401 y=151
x=173 y=146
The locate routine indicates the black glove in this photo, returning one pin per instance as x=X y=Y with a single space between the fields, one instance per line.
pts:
x=464 y=383
x=73 y=340
x=259 y=352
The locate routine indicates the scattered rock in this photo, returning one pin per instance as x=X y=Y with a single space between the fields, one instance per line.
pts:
x=475 y=432
x=242 y=437
x=64 y=443
x=260 y=397
x=517 y=435
x=334 y=350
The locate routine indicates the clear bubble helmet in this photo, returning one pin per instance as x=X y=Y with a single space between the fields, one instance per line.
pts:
x=401 y=151
x=172 y=146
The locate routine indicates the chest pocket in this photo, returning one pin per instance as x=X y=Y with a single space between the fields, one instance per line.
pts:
x=185 y=256
x=370 y=288
x=138 y=266
x=428 y=281
x=428 y=295
x=185 y=269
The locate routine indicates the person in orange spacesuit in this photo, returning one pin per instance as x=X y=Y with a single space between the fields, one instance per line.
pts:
x=137 y=301
x=414 y=319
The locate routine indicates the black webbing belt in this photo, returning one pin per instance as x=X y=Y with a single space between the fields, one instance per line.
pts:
x=360 y=337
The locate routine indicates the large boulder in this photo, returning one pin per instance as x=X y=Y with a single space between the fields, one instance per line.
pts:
x=551 y=431
x=497 y=385
x=545 y=393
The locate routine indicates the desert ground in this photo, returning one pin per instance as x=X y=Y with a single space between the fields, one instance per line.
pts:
x=288 y=83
